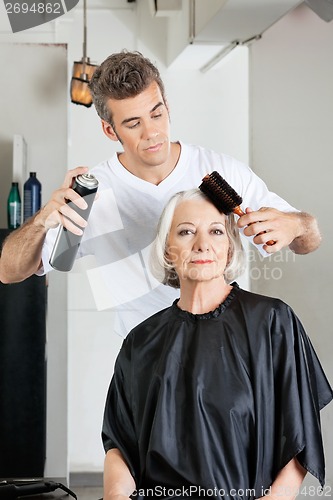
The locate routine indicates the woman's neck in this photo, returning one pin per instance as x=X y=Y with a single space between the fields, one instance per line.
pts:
x=202 y=297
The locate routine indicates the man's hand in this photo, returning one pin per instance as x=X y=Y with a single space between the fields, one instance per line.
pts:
x=22 y=249
x=297 y=230
x=57 y=211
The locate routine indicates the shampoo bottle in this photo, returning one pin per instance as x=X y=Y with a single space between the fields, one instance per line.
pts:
x=14 y=207
x=32 y=196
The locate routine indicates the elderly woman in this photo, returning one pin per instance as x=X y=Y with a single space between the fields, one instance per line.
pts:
x=218 y=395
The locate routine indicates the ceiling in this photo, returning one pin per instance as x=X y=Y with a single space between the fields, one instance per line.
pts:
x=237 y=20
x=108 y=4
x=201 y=30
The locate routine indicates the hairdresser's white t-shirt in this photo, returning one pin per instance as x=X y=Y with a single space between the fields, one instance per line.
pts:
x=122 y=226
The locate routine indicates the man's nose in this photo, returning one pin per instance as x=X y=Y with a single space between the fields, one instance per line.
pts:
x=149 y=130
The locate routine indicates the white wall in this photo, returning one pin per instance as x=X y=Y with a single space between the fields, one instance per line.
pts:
x=291 y=104
x=33 y=103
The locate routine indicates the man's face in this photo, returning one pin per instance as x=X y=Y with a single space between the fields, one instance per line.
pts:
x=142 y=125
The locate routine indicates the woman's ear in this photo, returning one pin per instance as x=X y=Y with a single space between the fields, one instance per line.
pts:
x=109 y=131
x=229 y=256
x=167 y=257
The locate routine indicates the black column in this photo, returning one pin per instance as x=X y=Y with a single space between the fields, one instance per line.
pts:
x=22 y=377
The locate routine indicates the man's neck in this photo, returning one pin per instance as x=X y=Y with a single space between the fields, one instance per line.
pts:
x=153 y=174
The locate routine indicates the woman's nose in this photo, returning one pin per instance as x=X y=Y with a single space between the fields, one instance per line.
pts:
x=201 y=244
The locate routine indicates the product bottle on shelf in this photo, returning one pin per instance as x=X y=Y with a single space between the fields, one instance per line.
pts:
x=14 y=207
x=32 y=196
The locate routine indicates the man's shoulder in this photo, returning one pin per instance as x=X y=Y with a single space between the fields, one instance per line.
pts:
x=104 y=171
x=104 y=165
x=213 y=157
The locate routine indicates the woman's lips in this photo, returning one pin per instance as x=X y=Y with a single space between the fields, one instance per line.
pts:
x=200 y=261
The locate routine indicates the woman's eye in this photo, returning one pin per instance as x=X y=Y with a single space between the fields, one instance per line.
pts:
x=217 y=231
x=184 y=232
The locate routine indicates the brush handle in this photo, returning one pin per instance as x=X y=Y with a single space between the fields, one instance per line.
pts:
x=239 y=211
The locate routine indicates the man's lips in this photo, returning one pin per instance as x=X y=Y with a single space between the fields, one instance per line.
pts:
x=155 y=147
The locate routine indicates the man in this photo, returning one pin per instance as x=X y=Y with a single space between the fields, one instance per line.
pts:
x=135 y=184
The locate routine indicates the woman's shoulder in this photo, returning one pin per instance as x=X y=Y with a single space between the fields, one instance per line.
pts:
x=256 y=299
x=152 y=325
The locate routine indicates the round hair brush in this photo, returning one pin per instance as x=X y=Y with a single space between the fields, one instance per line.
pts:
x=223 y=196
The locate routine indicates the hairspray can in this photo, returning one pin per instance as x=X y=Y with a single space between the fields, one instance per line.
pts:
x=67 y=244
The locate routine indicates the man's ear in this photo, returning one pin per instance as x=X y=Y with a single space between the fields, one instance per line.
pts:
x=167 y=107
x=109 y=131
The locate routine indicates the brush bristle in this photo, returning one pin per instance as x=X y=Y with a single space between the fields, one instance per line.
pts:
x=222 y=195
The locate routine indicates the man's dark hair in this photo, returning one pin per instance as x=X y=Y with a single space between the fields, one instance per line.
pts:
x=122 y=75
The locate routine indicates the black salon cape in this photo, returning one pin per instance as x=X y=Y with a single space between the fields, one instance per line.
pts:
x=221 y=401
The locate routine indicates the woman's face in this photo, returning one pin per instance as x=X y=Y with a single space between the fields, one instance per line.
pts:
x=198 y=244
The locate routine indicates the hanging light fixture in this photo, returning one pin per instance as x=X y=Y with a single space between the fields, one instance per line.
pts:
x=82 y=71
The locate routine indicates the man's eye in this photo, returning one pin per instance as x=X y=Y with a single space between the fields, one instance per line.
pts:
x=157 y=116
x=134 y=125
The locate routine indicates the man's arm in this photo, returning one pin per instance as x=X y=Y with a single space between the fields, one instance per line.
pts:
x=298 y=230
x=22 y=249
x=21 y=253
x=118 y=481
x=310 y=237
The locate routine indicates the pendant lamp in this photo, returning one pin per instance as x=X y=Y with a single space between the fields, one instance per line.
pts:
x=82 y=71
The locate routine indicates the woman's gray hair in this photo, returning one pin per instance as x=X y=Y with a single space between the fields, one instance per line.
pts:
x=160 y=266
